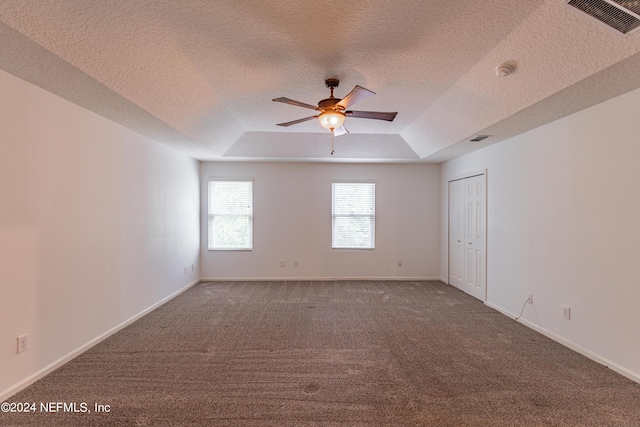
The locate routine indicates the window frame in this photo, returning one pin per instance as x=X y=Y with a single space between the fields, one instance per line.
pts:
x=372 y=216
x=211 y=215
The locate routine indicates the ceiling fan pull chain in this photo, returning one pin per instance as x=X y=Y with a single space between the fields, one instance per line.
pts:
x=333 y=137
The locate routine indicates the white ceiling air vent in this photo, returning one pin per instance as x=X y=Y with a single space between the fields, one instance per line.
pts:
x=621 y=15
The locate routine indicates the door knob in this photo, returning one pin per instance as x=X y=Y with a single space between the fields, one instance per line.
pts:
x=469 y=242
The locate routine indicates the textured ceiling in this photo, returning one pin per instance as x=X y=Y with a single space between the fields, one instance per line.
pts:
x=199 y=76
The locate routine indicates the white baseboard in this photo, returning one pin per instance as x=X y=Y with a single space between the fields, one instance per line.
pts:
x=633 y=376
x=5 y=394
x=265 y=279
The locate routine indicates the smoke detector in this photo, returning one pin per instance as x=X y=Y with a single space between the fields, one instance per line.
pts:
x=504 y=70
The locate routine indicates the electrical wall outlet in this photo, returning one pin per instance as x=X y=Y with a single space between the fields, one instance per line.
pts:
x=566 y=313
x=185 y=270
x=283 y=263
x=296 y=263
x=23 y=343
x=193 y=267
x=399 y=263
x=529 y=298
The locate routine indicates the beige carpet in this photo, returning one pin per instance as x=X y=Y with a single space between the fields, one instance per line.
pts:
x=331 y=353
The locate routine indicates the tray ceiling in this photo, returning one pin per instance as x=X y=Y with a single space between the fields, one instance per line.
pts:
x=200 y=76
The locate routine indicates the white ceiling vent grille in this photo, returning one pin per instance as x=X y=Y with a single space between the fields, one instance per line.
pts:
x=621 y=15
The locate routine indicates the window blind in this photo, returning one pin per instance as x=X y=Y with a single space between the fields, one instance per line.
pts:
x=353 y=215
x=230 y=215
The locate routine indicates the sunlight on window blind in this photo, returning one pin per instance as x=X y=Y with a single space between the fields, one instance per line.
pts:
x=353 y=215
x=230 y=215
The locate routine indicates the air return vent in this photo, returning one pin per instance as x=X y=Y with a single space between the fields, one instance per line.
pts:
x=621 y=15
x=479 y=138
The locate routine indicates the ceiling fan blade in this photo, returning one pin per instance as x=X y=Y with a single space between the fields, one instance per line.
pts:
x=298 y=103
x=377 y=115
x=357 y=94
x=340 y=131
x=295 y=122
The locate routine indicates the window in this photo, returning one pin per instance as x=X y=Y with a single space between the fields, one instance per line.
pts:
x=230 y=215
x=353 y=215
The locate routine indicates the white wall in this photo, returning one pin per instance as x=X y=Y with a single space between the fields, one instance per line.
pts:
x=96 y=225
x=563 y=215
x=292 y=221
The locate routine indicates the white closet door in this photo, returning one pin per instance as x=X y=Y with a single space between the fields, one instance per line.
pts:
x=456 y=234
x=467 y=235
x=475 y=236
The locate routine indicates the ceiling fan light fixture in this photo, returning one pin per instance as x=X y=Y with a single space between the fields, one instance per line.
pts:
x=331 y=119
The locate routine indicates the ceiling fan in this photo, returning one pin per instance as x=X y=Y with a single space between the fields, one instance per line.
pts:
x=333 y=111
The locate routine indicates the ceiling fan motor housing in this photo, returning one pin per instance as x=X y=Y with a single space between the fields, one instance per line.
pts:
x=330 y=104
